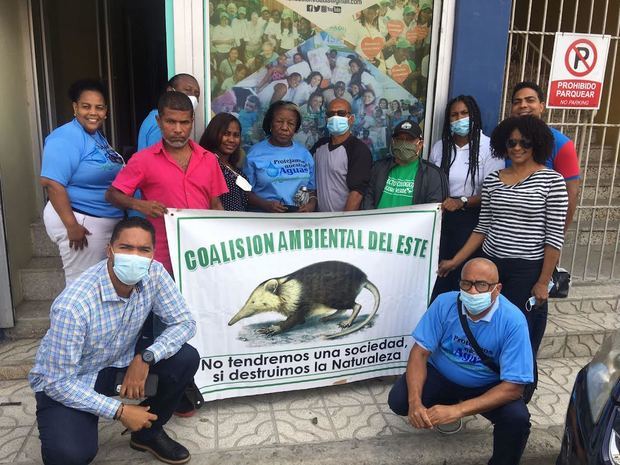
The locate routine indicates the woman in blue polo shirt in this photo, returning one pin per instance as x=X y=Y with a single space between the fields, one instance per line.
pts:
x=78 y=167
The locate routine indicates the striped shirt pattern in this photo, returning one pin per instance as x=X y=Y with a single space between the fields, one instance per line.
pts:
x=92 y=328
x=519 y=220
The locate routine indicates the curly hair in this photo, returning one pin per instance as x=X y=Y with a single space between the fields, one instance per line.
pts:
x=271 y=112
x=448 y=151
x=530 y=127
x=213 y=133
x=82 y=85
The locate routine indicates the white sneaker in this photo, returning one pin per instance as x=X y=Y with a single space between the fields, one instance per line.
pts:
x=450 y=428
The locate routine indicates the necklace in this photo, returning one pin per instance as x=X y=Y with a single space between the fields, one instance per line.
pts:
x=107 y=149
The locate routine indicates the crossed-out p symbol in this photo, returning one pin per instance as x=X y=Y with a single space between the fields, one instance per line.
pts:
x=580 y=58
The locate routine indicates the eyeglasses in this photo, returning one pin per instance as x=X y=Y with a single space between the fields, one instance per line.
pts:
x=525 y=143
x=330 y=113
x=481 y=286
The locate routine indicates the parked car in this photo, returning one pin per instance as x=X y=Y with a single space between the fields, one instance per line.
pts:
x=592 y=429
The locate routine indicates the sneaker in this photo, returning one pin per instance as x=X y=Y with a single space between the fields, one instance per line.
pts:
x=161 y=446
x=450 y=428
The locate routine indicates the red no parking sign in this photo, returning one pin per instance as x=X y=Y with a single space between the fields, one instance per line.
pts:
x=577 y=71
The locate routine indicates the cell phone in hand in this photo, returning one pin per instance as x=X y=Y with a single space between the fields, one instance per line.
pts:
x=150 y=386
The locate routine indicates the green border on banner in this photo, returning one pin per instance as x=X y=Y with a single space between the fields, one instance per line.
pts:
x=430 y=263
x=309 y=348
x=170 y=37
x=302 y=378
x=179 y=263
x=203 y=391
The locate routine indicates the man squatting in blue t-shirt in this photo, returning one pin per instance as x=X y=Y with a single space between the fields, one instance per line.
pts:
x=446 y=380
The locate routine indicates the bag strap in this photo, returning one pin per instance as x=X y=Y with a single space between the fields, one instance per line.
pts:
x=484 y=358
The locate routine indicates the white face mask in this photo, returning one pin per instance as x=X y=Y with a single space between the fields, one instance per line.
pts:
x=240 y=181
x=243 y=183
x=194 y=101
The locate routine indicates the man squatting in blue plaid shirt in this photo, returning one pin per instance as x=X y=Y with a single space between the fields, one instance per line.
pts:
x=95 y=324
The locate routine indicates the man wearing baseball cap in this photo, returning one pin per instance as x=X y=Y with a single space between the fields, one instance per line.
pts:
x=404 y=178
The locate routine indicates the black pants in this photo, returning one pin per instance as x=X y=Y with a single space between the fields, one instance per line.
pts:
x=518 y=277
x=70 y=437
x=456 y=227
x=511 y=421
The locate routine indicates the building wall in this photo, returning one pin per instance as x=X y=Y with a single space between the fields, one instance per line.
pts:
x=16 y=147
x=479 y=53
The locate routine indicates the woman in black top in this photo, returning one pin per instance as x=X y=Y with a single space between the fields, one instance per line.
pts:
x=223 y=137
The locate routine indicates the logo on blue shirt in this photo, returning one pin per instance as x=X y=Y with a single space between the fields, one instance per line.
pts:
x=272 y=170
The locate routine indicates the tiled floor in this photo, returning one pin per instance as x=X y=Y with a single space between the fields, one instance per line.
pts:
x=357 y=410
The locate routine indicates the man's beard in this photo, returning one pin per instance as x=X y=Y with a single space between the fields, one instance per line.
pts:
x=177 y=144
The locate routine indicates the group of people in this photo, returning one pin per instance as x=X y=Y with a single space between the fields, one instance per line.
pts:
x=506 y=199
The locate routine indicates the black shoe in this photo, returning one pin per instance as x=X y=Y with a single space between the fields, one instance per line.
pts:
x=162 y=446
x=185 y=409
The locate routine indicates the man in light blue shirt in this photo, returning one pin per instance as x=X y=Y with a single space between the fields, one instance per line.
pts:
x=149 y=133
x=446 y=379
x=95 y=325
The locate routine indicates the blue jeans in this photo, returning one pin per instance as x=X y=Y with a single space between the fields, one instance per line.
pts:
x=511 y=421
x=69 y=436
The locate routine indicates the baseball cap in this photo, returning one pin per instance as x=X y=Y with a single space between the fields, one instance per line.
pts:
x=408 y=127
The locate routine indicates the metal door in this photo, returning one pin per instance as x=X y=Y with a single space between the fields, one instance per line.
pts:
x=591 y=248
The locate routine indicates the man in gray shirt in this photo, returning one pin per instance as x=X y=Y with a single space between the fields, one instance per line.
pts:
x=342 y=162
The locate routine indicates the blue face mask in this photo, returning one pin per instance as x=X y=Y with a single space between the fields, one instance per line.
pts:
x=476 y=303
x=130 y=269
x=337 y=125
x=460 y=127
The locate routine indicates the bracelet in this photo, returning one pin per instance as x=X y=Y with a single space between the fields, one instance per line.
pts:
x=119 y=412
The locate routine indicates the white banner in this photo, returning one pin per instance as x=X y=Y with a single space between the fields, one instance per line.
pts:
x=295 y=301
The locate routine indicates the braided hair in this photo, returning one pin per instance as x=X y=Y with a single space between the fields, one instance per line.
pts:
x=448 y=153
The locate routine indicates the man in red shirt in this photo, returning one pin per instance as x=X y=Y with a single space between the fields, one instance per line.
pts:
x=173 y=173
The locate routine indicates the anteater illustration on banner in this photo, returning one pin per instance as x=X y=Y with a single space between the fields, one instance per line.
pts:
x=327 y=288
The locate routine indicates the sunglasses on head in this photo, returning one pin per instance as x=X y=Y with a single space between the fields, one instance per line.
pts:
x=525 y=143
x=111 y=154
x=330 y=113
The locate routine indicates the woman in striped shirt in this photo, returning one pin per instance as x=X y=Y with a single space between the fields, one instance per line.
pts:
x=521 y=225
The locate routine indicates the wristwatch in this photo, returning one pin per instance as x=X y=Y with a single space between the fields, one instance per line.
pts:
x=464 y=200
x=148 y=357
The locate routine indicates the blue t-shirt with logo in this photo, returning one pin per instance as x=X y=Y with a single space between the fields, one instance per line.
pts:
x=85 y=165
x=502 y=334
x=277 y=173
x=149 y=133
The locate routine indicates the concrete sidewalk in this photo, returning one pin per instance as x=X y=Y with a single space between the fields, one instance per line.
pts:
x=345 y=424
